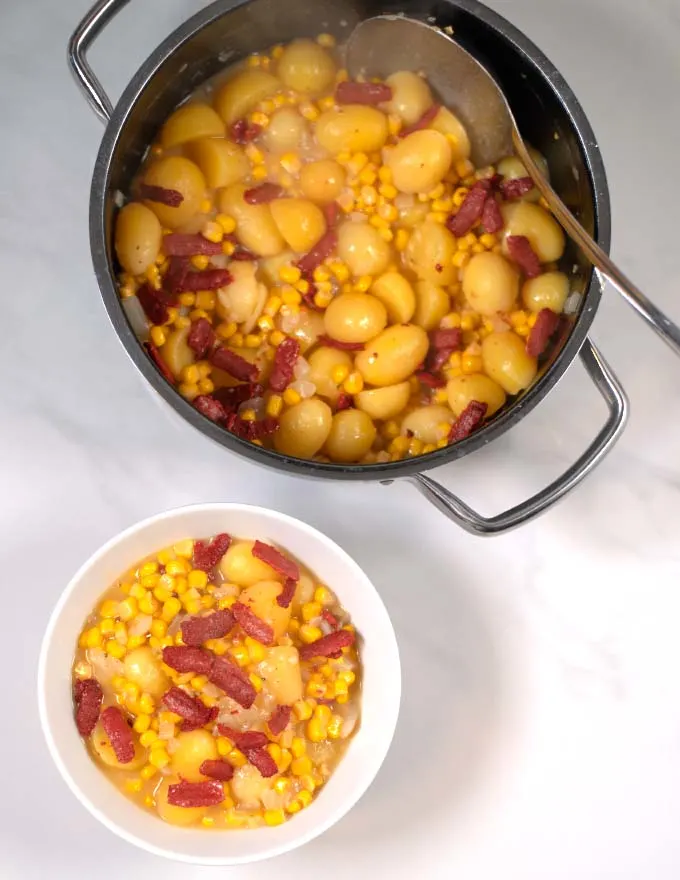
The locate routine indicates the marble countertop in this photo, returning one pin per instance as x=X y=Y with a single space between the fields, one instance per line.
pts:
x=540 y=728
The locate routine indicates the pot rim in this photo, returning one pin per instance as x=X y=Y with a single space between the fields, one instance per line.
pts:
x=385 y=471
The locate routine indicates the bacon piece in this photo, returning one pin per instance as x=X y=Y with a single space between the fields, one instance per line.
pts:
x=265 y=192
x=279 y=719
x=244 y=739
x=190 y=708
x=362 y=93
x=429 y=379
x=242 y=255
x=201 y=337
x=87 y=695
x=232 y=398
x=520 y=250
x=264 y=762
x=470 y=211
x=184 y=244
x=344 y=401
x=217 y=770
x=232 y=681
x=468 y=421
x=276 y=560
x=208 y=554
x=209 y=407
x=285 y=359
x=154 y=307
x=225 y=359
x=341 y=346
x=207 y=279
x=155 y=356
x=308 y=298
x=256 y=430
x=428 y=116
x=328 y=645
x=196 y=794
x=449 y=338
x=187 y=725
x=119 y=734
x=170 y=197
x=183 y=658
x=492 y=219
x=516 y=188
x=321 y=250
x=243 y=132
x=330 y=618
x=543 y=329
x=287 y=594
x=196 y=630
x=173 y=280
x=253 y=625
x=331 y=212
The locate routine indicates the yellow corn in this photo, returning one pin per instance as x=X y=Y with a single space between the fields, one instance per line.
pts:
x=227 y=223
x=147 y=738
x=274 y=817
x=291 y=397
x=159 y=757
x=107 y=627
x=226 y=330
x=237 y=758
x=274 y=405
x=401 y=239
x=302 y=710
x=197 y=578
x=171 y=608
x=354 y=383
x=309 y=633
x=301 y=766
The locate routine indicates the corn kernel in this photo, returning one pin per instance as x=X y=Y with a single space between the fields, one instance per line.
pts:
x=226 y=330
x=460 y=259
x=316 y=732
x=401 y=240
x=274 y=750
x=148 y=772
x=340 y=270
x=256 y=651
x=471 y=363
x=228 y=247
x=256 y=681
x=200 y=262
x=309 y=111
x=237 y=758
x=107 y=627
x=291 y=397
x=197 y=578
x=354 y=383
x=259 y=172
x=109 y=608
x=274 y=817
x=302 y=710
x=281 y=785
x=171 y=608
x=274 y=405
x=159 y=757
x=301 y=766
x=93 y=638
x=227 y=223
x=309 y=633
x=147 y=738
x=290 y=296
x=114 y=649
x=240 y=654
x=394 y=124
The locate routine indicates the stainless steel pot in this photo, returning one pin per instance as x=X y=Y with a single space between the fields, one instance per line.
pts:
x=548 y=114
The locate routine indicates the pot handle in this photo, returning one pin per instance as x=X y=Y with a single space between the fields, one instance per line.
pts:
x=610 y=388
x=92 y=24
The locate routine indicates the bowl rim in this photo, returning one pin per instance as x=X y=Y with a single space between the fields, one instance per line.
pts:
x=388 y=724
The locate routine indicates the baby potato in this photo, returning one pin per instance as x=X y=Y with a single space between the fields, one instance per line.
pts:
x=361 y=246
x=306 y=67
x=310 y=326
x=169 y=812
x=322 y=363
x=104 y=750
x=411 y=96
x=138 y=237
x=355 y=317
x=192 y=748
x=190 y=122
x=221 y=161
x=351 y=436
x=419 y=161
x=178 y=173
x=304 y=428
x=447 y=124
x=269 y=268
x=248 y=785
x=393 y=355
x=280 y=669
x=255 y=227
x=261 y=598
x=322 y=181
x=429 y=253
x=383 y=403
x=299 y=221
x=413 y=215
x=490 y=284
x=548 y=291
x=175 y=351
x=242 y=92
x=506 y=361
x=240 y=567
x=396 y=294
x=144 y=669
x=238 y=300
x=285 y=130
x=543 y=231
x=432 y=303
x=425 y=423
x=462 y=390
x=354 y=127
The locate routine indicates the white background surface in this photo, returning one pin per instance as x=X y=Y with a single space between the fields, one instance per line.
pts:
x=540 y=729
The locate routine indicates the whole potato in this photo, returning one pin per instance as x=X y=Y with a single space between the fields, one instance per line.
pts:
x=169 y=812
x=506 y=361
x=322 y=363
x=396 y=294
x=221 y=161
x=351 y=436
x=411 y=96
x=490 y=284
x=355 y=317
x=548 y=291
x=393 y=355
x=192 y=748
x=304 y=428
x=182 y=175
x=238 y=300
x=309 y=327
x=187 y=123
x=425 y=423
x=175 y=351
x=322 y=181
x=138 y=237
x=420 y=161
x=383 y=403
x=299 y=221
x=285 y=130
x=145 y=670
x=281 y=671
x=354 y=127
x=449 y=125
x=432 y=303
x=239 y=566
x=255 y=226
x=429 y=253
x=532 y=221
x=462 y=390
x=239 y=95
x=306 y=67
x=363 y=249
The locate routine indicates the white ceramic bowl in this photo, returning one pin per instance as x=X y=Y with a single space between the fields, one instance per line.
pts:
x=381 y=687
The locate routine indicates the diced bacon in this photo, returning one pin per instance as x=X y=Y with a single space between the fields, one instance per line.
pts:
x=362 y=93
x=119 y=734
x=211 y=408
x=197 y=630
x=520 y=250
x=328 y=645
x=470 y=212
x=155 y=356
x=321 y=251
x=344 y=401
x=279 y=719
x=190 y=708
x=153 y=304
x=243 y=132
x=232 y=681
x=428 y=116
x=178 y=269
x=170 y=197
x=183 y=658
x=252 y=625
x=468 y=421
x=543 y=329
x=194 y=724
x=492 y=219
x=330 y=618
x=285 y=358
x=265 y=192
x=264 y=762
x=450 y=338
x=207 y=279
x=87 y=695
x=225 y=359
x=232 y=398
x=201 y=337
x=332 y=212
x=276 y=560
x=341 y=346
x=430 y=380
x=184 y=244
x=244 y=739
x=516 y=188
x=287 y=594
x=208 y=554
x=196 y=794
x=222 y=770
